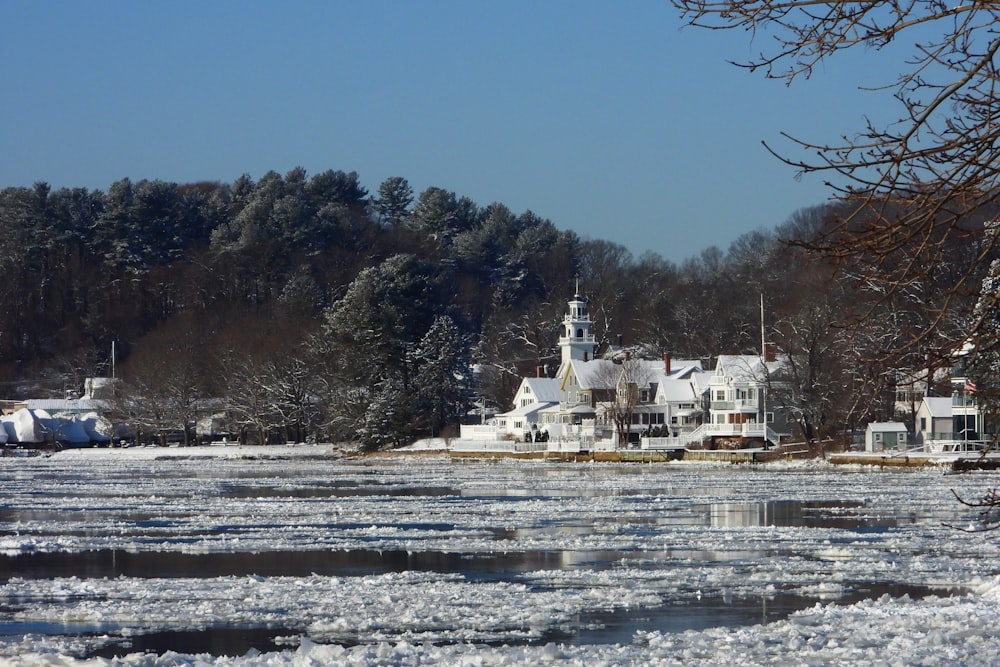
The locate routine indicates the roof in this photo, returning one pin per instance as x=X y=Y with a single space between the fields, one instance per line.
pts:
x=679 y=391
x=886 y=426
x=528 y=410
x=604 y=373
x=581 y=409
x=545 y=390
x=53 y=405
x=938 y=406
x=594 y=374
x=747 y=367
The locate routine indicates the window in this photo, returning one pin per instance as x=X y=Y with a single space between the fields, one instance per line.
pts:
x=720 y=395
x=923 y=423
x=527 y=389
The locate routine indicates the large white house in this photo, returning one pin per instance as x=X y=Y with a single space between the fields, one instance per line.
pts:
x=739 y=389
x=672 y=403
x=578 y=403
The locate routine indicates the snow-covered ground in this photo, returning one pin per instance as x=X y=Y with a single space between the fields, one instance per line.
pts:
x=419 y=559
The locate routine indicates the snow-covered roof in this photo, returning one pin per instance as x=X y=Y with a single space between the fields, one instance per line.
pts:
x=581 y=409
x=746 y=367
x=594 y=374
x=528 y=411
x=544 y=389
x=678 y=391
x=604 y=374
x=56 y=405
x=886 y=426
x=938 y=406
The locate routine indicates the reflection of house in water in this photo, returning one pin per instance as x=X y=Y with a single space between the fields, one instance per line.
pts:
x=741 y=515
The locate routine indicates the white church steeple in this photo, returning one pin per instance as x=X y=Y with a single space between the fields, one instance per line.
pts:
x=576 y=341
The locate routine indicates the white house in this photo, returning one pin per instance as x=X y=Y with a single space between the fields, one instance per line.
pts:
x=676 y=402
x=934 y=420
x=533 y=395
x=740 y=414
x=951 y=422
x=575 y=405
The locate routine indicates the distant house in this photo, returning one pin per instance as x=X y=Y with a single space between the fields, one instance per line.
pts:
x=934 y=420
x=533 y=395
x=675 y=405
x=674 y=402
x=741 y=414
x=881 y=436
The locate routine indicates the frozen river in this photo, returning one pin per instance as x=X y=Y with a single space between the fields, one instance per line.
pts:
x=287 y=555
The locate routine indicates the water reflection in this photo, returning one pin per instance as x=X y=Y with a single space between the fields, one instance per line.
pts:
x=216 y=641
x=340 y=490
x=344 y=563
x=796 y=513
x=619 y=626
x=616 y=626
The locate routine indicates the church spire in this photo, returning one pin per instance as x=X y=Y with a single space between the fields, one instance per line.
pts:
x=576 y=341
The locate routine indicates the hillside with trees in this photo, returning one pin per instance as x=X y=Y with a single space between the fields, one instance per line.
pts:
x=314 y=309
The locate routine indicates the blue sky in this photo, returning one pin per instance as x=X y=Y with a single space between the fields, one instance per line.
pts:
x=606 y=118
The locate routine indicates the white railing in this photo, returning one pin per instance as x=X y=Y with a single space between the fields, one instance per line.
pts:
x=507 y=446
x=746 y=430
x=738 y=405
x=942 y=446
x=680 y=442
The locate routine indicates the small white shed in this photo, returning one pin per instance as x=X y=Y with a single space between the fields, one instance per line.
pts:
x=885 y=435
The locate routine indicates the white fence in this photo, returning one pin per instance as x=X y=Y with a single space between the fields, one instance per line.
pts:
x=507 y=446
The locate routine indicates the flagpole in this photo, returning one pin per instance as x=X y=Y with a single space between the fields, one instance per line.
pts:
x=763 y=360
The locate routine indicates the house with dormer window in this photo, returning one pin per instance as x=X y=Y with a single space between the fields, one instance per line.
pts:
x=620 y=400
x=740 y=414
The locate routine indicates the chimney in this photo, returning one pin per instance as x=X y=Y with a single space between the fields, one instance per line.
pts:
x=538 y=371
x=769 y=353
x=666 y=363
x=586 y=356
x=628 y=355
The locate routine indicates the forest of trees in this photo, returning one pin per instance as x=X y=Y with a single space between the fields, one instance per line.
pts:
x=313 y=309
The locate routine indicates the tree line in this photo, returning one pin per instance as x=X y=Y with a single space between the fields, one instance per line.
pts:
x=312 y=309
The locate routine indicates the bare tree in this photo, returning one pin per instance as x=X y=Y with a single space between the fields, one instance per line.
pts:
x=917 y=189
x=623 y=384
